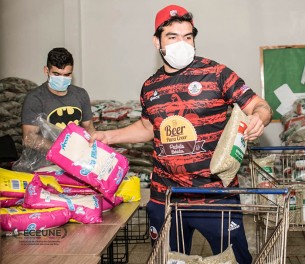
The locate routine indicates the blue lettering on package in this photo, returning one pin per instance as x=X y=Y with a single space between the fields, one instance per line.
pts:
x=31 y=226
x=31 y=189
x=120 y=176
x=35 y=215
x=92 y=163
x=64 y=143
x=59 y=172
x=107 y=167
x=95 y=200
x=68 y=201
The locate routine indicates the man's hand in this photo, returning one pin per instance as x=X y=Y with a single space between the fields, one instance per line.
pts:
x=255 y=128
x=260 y=114
x=98 y=135
x=139 y=131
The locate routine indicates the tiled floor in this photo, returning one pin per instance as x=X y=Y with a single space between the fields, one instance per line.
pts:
x=139 y=253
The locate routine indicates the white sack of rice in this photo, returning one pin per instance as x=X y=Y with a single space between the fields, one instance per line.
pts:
x=231 y=147
x=226 y=257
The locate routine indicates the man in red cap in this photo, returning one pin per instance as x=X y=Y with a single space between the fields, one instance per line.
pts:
x=184 y=111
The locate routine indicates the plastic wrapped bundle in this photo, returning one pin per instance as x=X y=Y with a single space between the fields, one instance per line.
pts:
x=83 y=208
x=100 y=165
x=231 y=147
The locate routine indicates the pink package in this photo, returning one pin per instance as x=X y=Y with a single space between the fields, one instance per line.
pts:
x=10 y=201
x=108 y=205
x=71 y=190
x=83 y=208
x=22 y=219
x=60 y=175
x=100 y=165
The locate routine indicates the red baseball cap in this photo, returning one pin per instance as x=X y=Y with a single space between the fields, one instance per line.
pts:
x=167 y=12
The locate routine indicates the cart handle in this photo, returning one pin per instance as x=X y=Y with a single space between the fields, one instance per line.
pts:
x=279 y=148
x=232 y=190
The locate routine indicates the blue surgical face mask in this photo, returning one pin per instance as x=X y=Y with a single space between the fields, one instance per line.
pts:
x=59 y=83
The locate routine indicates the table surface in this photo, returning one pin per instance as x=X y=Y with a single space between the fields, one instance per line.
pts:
x=79 y=239
x=145 y=196
x=22 y=259
x=121 y=214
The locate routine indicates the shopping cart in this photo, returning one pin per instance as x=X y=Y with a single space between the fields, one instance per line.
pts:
x=285 y=168
x=271 y=237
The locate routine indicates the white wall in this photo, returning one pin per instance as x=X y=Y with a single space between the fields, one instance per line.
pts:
x=112 y=40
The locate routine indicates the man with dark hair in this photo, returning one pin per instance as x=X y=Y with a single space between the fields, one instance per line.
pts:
x=184 y=111
x=56 y=99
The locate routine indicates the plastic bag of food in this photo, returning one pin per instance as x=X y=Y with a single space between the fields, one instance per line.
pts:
x=22 y=219
x=14 y=183
x=10 y=201
x=298 y=106
x=267 y=164
x=108 y=205
x=231 y=147
x=130 y=189
x=99 y=166
x=83 y=208
x=226 y=257
x=34 y=152
x=72 y=190
x=264 y=180
x=60 y=175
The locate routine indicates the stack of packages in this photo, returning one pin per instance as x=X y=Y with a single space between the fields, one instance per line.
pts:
x=12 y=94
x=110 y=114
x=294 y=125
x=294 y=135
x=84 y=182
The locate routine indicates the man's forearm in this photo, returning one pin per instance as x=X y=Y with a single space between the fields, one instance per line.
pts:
x=264 y=111
x=37 y=142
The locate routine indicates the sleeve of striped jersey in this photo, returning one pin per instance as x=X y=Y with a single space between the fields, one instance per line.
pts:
x=234 y=88
x=144 y=110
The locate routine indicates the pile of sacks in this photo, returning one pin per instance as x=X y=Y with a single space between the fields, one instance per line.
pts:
x=12 y=93
x=111 y=114
x=83 y=182
x=294 y=125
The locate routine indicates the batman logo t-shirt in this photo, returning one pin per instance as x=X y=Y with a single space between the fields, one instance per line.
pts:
x=62 y=116
x=74 y=107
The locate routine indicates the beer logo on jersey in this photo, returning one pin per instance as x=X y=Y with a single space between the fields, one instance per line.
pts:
x=62 y=116
x=195 y=88
x=178 y=137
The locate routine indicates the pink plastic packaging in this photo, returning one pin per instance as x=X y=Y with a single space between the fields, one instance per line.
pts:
x=22 y=219
x=71 y=190
x=10 y=201
x=108 y=205
x=83 y=208
x=100 y=165
x=60 y=175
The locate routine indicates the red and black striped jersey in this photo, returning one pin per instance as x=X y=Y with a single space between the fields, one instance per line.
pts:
x=188 y=110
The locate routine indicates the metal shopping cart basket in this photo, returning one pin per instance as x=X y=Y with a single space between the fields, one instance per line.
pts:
x=271 y=238
x=279 y=167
